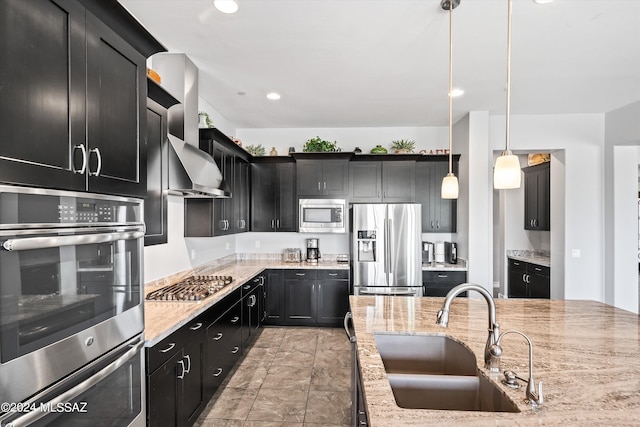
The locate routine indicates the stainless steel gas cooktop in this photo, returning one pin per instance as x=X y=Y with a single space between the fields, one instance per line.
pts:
x=193 y=288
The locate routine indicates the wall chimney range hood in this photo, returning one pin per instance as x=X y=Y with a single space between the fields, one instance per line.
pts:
x=192 y=172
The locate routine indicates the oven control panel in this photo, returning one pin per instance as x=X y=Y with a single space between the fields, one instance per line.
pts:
x=83 y=212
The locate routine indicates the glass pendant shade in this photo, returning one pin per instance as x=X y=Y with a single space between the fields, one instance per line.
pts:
x=226 y=6
x=450 y=187
x=507 y=174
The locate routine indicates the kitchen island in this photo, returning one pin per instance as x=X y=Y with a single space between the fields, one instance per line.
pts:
x=585 y=353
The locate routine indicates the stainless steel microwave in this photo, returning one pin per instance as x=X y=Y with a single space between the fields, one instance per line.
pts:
x=322 y=216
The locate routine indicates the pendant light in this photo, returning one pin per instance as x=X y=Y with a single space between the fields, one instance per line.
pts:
x=450 y=187
x=506 y=173
x=226 y=6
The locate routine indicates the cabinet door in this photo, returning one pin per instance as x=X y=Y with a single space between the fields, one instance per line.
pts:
x=310 y=179
x=240 y=199
x=286 y=198
x=116 y=123
x=155 y=205
x=537 y=193
x=42 y=106
x=274 y=298
x=539 y=281
x=365 y=182
x=332 y=301
x=300 y=302
x=222 y=207
x=162 y=393
x=263 y=196
x=398 y=181
x=518 y=280
x=335 y=178
x=438 y=215
x=193 y=400
x=224 y=343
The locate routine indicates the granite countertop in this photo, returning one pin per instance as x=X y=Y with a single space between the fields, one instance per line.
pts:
x=161 y=318
x=433 y=266
x=585 y=353
x=534 y=257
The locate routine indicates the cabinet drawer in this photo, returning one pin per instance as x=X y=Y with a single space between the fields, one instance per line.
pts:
x=333 y=274
x=219 y=308
x=444 y=276
x=301 y=274
x=517 y=265
x=539 y=269
x=165 y=349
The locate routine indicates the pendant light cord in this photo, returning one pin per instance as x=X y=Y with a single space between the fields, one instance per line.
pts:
x=508 y=117
x=450 y=84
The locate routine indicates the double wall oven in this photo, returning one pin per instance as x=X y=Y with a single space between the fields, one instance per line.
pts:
x=71 y=313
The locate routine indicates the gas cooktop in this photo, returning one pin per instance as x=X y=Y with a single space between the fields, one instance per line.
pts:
x=193 y=288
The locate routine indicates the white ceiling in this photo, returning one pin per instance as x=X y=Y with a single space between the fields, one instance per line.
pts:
x=353 y=63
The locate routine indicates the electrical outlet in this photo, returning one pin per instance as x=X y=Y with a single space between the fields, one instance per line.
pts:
x=193 y=254
x=257 y=243
x=575 y=253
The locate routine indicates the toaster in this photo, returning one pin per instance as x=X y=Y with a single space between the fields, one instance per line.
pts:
x=292 y=255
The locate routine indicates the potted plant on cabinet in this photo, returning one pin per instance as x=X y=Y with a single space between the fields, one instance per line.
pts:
x=318 y=145
x=403 y=146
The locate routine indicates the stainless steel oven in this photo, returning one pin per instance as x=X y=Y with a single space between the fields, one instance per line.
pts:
x=70 y=285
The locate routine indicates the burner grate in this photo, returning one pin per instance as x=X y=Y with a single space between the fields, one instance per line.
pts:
x=193 y=288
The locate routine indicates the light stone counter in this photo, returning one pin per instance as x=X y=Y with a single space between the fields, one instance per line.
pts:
x=445 y=266
x=161 y=318
x=586 y=354
x=534 y=257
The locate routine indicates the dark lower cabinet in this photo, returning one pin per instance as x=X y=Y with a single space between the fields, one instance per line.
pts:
x=274 y=298
x=252 y=307
x=224 y=347
x=528 y=280
x=307 y=297
x=439 y=283
x=176 y=382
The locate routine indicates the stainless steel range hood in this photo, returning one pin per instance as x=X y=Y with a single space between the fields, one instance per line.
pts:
x=194 y=173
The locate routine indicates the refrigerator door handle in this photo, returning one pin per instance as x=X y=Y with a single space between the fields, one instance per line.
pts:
x=389 y=237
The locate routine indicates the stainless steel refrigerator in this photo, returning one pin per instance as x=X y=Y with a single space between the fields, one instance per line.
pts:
x=386 y=249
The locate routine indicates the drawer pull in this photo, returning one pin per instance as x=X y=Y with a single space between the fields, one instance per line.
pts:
x=443 y=276
x=196 y=326
x=169 y=347
x=333 y=274
x=218 y=372
x=537 y=269
x=217 y=337
x=235 y=350
x=301 y=274
x=246 y=287
x=235 y=319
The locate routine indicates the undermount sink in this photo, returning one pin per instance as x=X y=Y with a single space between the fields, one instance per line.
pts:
x=437 y=372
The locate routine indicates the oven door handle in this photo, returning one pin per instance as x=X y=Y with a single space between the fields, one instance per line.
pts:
x=78 y=389
x=28 y=243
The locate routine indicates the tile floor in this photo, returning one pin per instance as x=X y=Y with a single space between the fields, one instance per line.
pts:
x=291 y=377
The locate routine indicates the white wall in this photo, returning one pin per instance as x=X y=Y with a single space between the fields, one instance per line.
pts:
x=276 y=242
x=621 y=166
x=427 y=138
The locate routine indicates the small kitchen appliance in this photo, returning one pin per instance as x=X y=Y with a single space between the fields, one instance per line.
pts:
x=313 y=250
x=439 y=252
x=451 y=252
x=291 y=255
x=427 y=252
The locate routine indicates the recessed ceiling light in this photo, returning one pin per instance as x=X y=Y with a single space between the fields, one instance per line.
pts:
x=542 y=1
x=241 y=93
x=226 y=6
x=273 y=96
x=457 y=92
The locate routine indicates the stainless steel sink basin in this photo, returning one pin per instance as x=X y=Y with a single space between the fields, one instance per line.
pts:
x=425 y=354
x=449 y=392
x=437 y=372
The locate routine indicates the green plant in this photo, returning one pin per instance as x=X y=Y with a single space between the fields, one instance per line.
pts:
x=256 y=150
x=404 y=144
x=206 y=118
x=319 y=145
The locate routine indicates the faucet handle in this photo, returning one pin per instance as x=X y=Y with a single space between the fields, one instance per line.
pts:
x=535 y=399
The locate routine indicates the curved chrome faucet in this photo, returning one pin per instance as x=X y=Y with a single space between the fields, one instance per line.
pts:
x=491 y=362
x=535 y=398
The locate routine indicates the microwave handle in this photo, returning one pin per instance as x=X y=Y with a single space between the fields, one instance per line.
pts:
x=28 y=243
x=80 y=388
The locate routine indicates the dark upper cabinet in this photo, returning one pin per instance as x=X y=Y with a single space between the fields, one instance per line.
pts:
x=273 y=195
x=391 y=181
x=157 y=148
x=241 y=194
x=322 y=177
x=80 y=125
x=537 y=194
x=438 y=215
